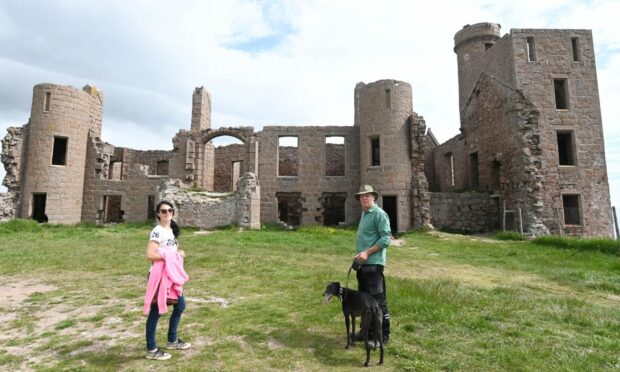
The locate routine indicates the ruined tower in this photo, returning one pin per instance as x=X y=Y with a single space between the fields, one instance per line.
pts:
x=531 y=127
x=60 y=122
x=470 y=45
x=382 y=113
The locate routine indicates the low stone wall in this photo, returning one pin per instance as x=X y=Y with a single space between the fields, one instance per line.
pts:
x=466 y=212
x=208 y=210
x=7 y=206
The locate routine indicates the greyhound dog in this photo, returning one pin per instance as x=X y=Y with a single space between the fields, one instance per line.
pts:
x=362 y=304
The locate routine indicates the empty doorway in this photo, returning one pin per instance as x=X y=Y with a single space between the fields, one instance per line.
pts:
x=112 y=211
x=391 y=208
x=38 y=207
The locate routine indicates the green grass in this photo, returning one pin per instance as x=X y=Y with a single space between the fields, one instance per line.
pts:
x=254 y=301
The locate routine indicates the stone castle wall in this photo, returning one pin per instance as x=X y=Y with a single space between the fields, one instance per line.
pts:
x=64 y=113
x=312 y=180
x=469 y=212
x=225 y=156
x=508 y=151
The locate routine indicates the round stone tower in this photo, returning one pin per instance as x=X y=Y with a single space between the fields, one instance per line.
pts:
x=470 y=46
x=57 y=137
x=382 y=113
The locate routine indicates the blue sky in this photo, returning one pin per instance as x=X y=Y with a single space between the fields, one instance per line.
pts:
x=269 y=62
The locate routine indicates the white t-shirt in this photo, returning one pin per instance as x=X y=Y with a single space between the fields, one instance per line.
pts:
x=165 y=238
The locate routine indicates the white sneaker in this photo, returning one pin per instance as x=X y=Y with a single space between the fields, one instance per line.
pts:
x=157 y=355
x=178 y=345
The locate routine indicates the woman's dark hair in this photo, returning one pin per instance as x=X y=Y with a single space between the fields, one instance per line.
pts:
x=173 y=225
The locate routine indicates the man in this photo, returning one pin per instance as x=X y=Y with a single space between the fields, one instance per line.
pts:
x=373 y=238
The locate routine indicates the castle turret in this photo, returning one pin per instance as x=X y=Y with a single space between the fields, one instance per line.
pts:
x=382 y=112
x=470 y=46
x=60 y=122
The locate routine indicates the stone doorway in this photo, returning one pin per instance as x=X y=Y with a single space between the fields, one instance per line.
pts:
x=112 y=211
x=333 y=208
x=390 y=207
x=289 y=207
x=38 y=207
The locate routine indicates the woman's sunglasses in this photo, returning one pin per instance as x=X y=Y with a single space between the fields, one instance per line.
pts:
x=171 y=210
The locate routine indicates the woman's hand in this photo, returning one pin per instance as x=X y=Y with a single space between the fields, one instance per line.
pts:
x=181 y=253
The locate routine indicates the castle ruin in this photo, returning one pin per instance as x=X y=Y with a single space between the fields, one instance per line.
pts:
x=529 y=156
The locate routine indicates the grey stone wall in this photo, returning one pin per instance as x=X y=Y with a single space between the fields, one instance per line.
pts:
x=225 y=156
x=209 y=210
x=312 y=179
x=59 y=111
x=466 y=212
x=383 y=110
x=588 y=177
x=134 y=188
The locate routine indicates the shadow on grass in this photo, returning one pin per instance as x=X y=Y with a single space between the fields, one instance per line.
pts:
x=328 y=351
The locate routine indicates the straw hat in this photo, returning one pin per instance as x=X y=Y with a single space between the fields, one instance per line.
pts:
x=366 y=189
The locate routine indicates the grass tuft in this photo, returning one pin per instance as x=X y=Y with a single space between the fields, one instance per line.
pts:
x=604 y=245
x=509 y=235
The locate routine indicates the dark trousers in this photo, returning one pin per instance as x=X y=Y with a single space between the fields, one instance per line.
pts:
x=370 y=279
x=151 y=323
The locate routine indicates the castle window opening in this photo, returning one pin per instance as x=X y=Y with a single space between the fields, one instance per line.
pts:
x=116 y=171
x=150 y=207
x=289 y=207
x=375 y=151
x=575 y=45
x=162 y=168
x=288 y=156
x=450 y=164
x=190 y=152
x=531 y=49
x=561 y=93
x=473 y=171
x=572 y=212
x=333 y=204
x=38 y=207
x=495 y=181
x=59 y=151
x=566 y=148
x=236 y=173
x=388 y=99
x=487 y=46
x=334 y=156
x=47 y=101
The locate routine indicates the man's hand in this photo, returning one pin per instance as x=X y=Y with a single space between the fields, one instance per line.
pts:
x=362 y=256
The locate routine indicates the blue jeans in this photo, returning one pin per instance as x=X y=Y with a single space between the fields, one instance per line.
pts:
x=151 y=323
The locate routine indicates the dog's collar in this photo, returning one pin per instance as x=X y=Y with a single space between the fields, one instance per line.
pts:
x=340 y=292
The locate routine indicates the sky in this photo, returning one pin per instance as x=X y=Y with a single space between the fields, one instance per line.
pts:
x=270 y=62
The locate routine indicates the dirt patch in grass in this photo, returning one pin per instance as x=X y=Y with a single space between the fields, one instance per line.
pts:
x=16 y=290
x=99 y=326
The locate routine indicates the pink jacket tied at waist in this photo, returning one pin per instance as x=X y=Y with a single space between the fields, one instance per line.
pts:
x=167 y=275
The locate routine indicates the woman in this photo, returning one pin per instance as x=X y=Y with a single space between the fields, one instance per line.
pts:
x=166 y=257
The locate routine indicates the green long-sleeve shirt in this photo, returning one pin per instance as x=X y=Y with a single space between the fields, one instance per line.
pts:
x=374 y=229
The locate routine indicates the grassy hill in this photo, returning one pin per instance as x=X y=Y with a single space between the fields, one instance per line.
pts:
x=73 y=299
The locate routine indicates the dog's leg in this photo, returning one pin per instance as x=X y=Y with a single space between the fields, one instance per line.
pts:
x=364 y=326
x=379 y=334
x=346 y=322
x=352 y=330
